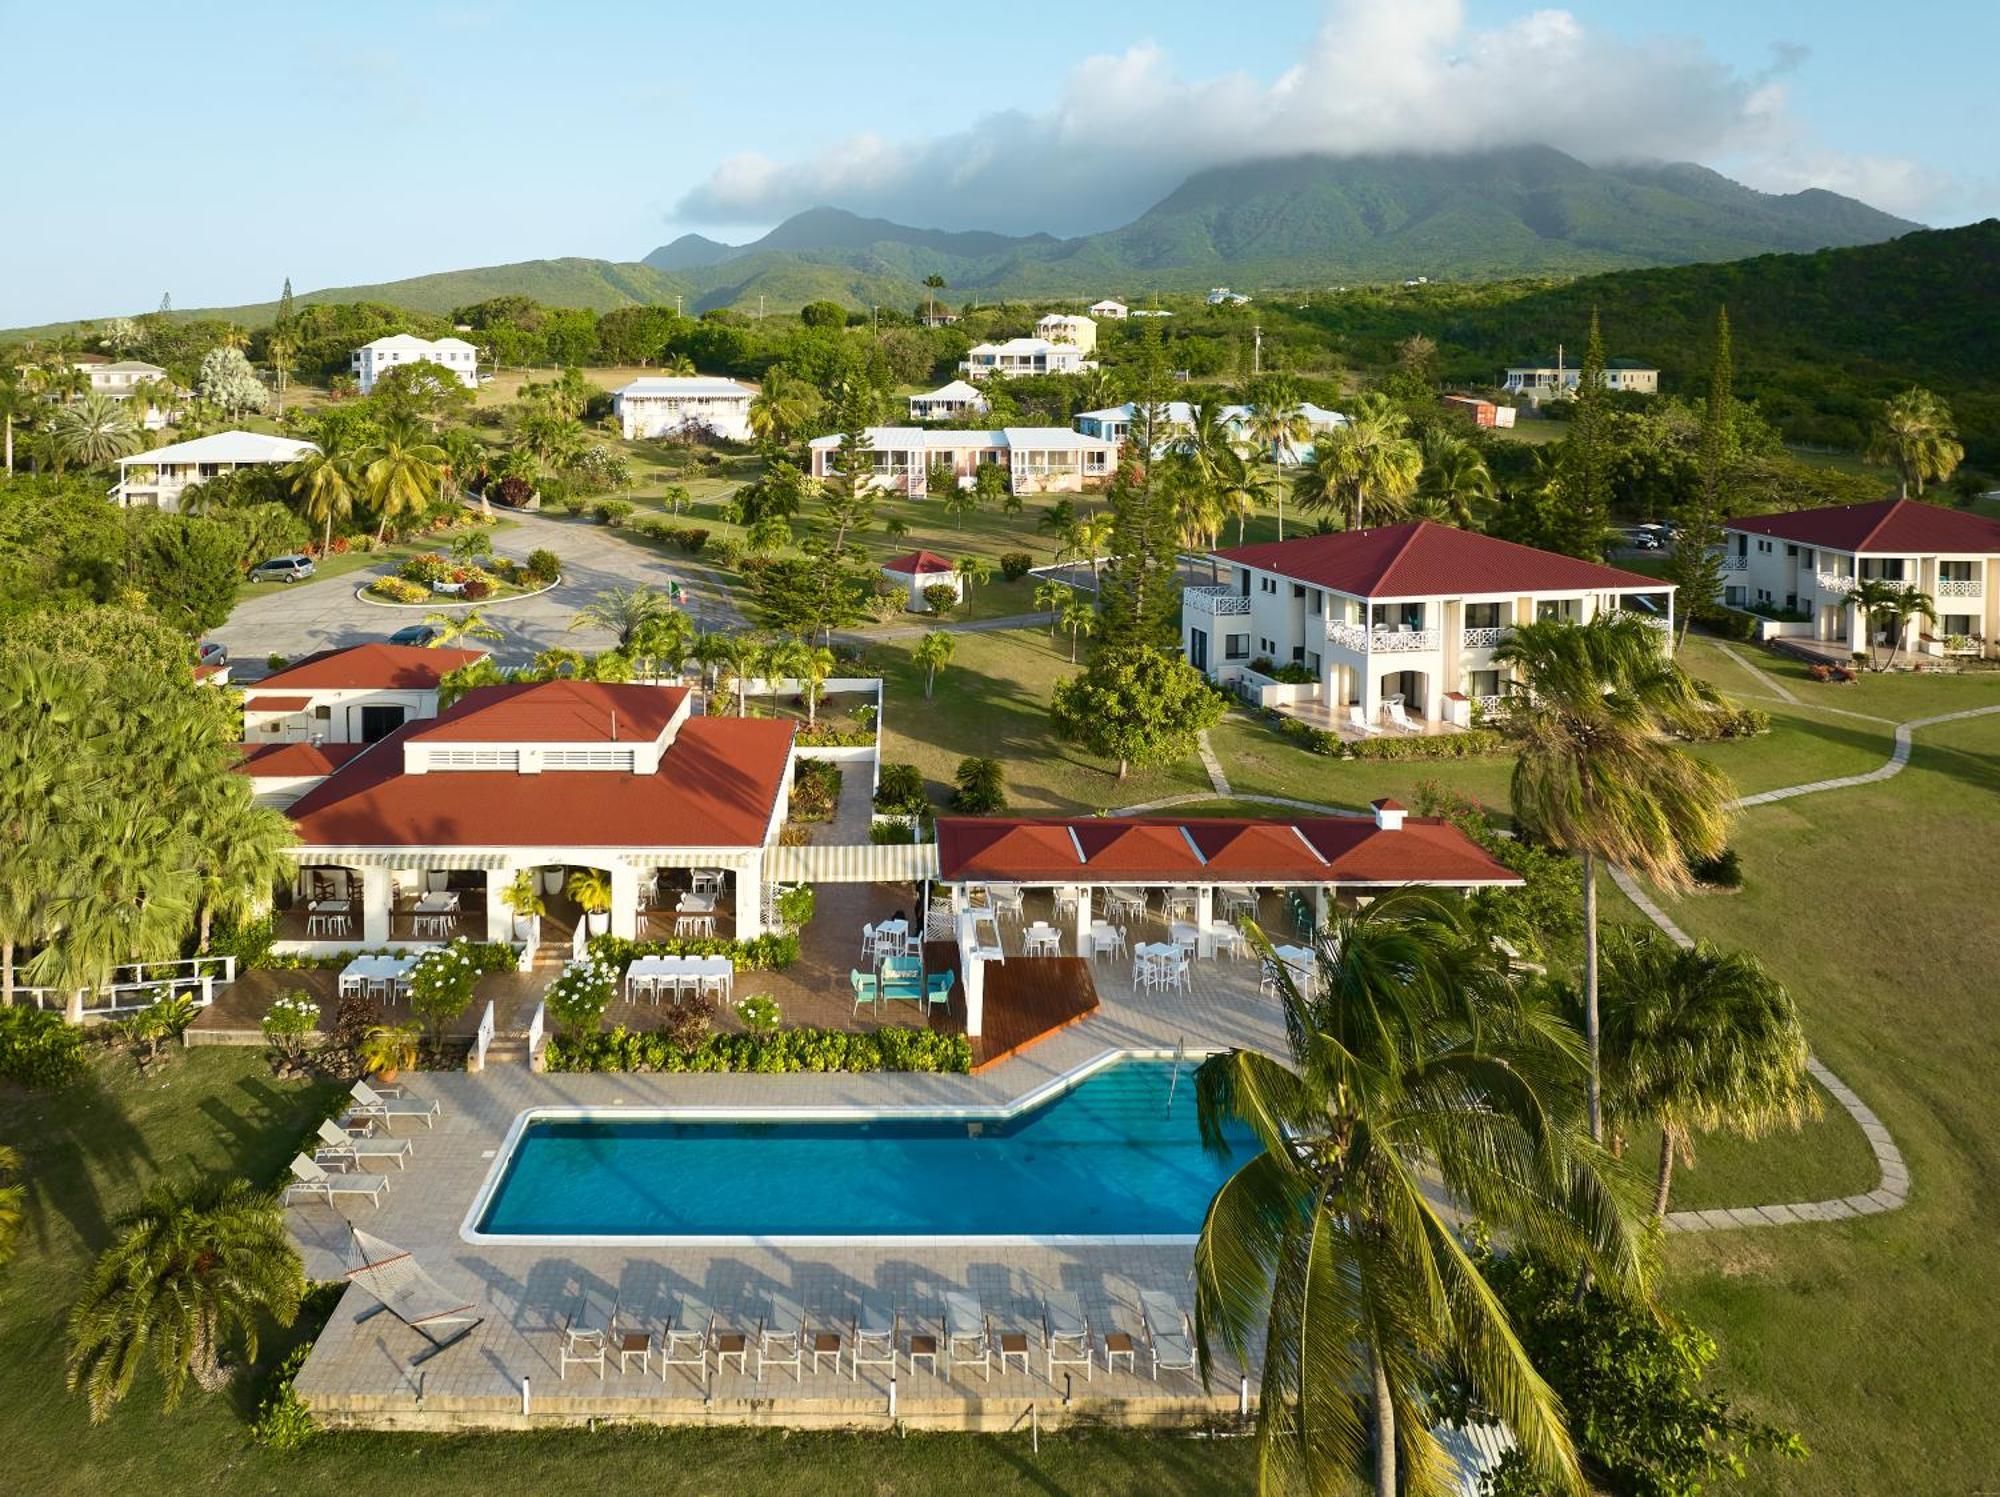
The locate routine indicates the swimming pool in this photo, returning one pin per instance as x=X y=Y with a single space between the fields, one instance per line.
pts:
x=1109 y=1158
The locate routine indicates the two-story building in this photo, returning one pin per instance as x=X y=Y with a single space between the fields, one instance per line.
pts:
x=454 y=356
x=1059 y=327
x=119 y=378
x=1399 y=616
x=1556 y=379
x=1018 y=356
x=1038 y=459
x=948 y=403
x=1109 y=310
x=156 y=479
x=1811 y=561
x=668 y=405
x=358 y=694
x=1176 y=418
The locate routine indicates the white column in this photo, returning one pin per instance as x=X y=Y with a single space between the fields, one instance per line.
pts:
x=624 y=900
x=972 y=968
x=1371 y=691
x=377 y=898
x=499 y=919
x=1322 y=906
x=1081 y=920
x=750 y=898
x=1204 y=920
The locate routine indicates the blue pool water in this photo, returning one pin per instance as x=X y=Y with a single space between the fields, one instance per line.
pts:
x=1107 y=1158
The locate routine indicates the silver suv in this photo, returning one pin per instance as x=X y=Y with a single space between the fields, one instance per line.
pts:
x=282 y=569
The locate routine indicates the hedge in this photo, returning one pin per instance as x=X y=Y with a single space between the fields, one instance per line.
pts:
x=763 y=953
x=787 y=1051
x=822 y=736
x=1469 y=743
x=39 y=1048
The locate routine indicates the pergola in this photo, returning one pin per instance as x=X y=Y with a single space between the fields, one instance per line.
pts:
x=1076 y=856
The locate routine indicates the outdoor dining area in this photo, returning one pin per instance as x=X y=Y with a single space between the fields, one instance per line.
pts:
x=896 y=971
x=685 y=904
x=324 y=903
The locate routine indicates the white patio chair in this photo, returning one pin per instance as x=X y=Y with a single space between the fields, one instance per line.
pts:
x=1169 y=1337
x=685 y=1337
x=583 y=1342
x=875 y=1334
x=868 y=939
x=372 y=1104
x=1400 y=718
x=313 y=1180
x=913 y=944
x=781 y=1338
x=1357 y=718
x=1066 y=1334
x=342 y=1149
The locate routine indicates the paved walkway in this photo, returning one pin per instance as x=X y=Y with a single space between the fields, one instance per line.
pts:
x=1898 y=757
x=325 y=613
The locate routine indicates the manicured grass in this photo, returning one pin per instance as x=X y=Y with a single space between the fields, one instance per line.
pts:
x=1876 y=1338
x=1258 y=759
x=89 y=1151
x=1826 y=1158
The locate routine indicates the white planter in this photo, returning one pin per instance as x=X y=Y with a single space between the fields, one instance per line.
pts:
x=552 y=880
x=597 y=922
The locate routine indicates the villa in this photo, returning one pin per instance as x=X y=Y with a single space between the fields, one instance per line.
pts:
x=1395 y=624
x=667 y=405
x=117 y=379
x=948 y=402
x=1038 y=459
x=1018 y=356
x=1554 y=379
x=1114 y=311
x=360 y=694
x=1059 y=328
x=455 y=356
x=1810 y=562
x=157 y=479
x=1113 y=422
x=1222 y=296
x=416 y=837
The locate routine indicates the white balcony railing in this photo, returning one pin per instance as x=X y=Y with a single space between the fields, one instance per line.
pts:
x=1216 y=601
x=1484 y=638
x=1735 y=563
x=1381 y=641
x=1834 y=582
x=1960 y=587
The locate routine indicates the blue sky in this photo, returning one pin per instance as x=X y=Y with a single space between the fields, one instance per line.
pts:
x=211 y=151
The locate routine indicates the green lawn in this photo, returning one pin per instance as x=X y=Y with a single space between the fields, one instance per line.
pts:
x=90 y=1150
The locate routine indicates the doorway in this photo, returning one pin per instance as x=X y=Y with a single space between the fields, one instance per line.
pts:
x=378 y=723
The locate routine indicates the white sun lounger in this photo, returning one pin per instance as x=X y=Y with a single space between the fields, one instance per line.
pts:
x=369 y=1103
x=1066 y=1334
x=1357 y=718
x=1169 y=1336
x=315 y=1181
x=685 y=1337
x=1401 y=718
x=966 y=1343
x=781 y=1339
x=874 y=1336
x=340 y=1146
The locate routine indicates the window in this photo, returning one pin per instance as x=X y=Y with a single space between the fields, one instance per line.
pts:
x=1482 y=615
x=1483 y=683
x=1298 y=590
x=1955 y=571
x=1298 y=654
x=1313 y=661
x=1198 y=649
x=1236 y=647
x=1318 y=602
x=1791 y=550
x=1957 y=623
x=1243 y=583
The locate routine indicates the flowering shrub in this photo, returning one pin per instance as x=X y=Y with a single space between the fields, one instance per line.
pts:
x=290 y=1018
x=397 y=590
x=786 y=1051
x=427 y=568
x=441 y=982
x=576 y=1001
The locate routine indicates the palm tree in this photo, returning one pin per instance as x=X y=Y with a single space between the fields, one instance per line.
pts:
x=1080 y=618
x=711 y=652
x=326 y=480
x=783 y=409
x=282 y=355
x=1372 y=459
x=1698 y=1040
x=1455 y=483
x=1278 y=425
x=1593 y=710
x=1090 y=538
x=811 y=670
x=402 y=471
x=973 y=570
x=623 y=611
x=1915 y=436
x=663 y=642
x=239 y=853
x=453 y=629
x=94 y=430
x=194 y=1270
x=553 y=439
x=933 y=653
x=1887 y=607
x=1418 y=1072
x=1050 y=596
x=17 y=404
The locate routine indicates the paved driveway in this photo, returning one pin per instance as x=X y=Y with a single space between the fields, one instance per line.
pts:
x=322 y=614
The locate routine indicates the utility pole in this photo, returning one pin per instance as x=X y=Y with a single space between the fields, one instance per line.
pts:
x=1256 y=350
x=677 y=304
x=760 y=307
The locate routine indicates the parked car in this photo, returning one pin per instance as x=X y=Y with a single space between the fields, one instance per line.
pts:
x=212 y=652
x=414 y=634
x=282 y=569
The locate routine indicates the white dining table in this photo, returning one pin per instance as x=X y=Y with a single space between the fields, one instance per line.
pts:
x=1300 y=960
x=696 y=904
x=1044 y=938
x=645 y=969
x=363 y=970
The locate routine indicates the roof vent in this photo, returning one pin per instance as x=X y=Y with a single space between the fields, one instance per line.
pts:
x=1388 y=815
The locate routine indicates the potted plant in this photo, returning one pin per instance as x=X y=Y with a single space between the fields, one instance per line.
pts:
x=524 y=899
x=591 y=889
x=388 y=1049
x=552 y=880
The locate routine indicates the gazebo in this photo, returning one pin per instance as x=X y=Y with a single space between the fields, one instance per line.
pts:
x=920 y=570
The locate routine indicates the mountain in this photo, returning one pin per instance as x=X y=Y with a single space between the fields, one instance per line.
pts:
x=1290 y=222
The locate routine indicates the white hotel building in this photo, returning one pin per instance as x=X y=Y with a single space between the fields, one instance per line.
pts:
x=1038 y=459
x=455 y=356
x=666 y=405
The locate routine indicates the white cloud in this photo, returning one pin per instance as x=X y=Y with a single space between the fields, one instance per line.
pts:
x=1379 y=76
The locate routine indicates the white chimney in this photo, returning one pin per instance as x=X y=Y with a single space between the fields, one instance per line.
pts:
x=1388 y=815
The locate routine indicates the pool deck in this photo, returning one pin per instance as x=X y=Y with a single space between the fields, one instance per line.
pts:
x=359 y=1373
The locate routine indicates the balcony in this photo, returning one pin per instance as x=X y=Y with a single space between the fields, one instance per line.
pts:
x=1834 y=582
x=1216 y=601
x=1483 y=638
x=1381 y=641
x=1960 y=587
x=1735 y=563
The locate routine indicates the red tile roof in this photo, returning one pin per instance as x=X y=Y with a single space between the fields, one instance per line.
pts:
x=208 y=672
x=277 y=704
x=717 y=786
x=1892 y=525
x=1424 y=559
x=295 y=760
x=556 y=712
x=1308 y=850
x=916 y=563
x=385 y=666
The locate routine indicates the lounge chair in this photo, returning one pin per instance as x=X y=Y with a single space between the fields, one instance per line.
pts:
x=313 y=1180
x=1066 y=1334
x=395 y=1281
x=874 y=1336
x=341 y=1147
x=1357 y=719
x=369 y=1103
x=966 y=1342
x=1400 y=718
x=1169 y=1336
x=781 y=1339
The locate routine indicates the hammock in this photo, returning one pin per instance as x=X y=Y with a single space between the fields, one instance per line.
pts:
x=393 y=1279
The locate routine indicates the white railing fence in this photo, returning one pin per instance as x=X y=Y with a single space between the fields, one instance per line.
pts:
x=580 y=937
x=483 y=1038
x=1484 y=638
x=537 y=1031
x=134 y=986
x=1960 y=587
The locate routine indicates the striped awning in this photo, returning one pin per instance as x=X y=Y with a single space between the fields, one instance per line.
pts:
x=440 y=858
x=865 y=863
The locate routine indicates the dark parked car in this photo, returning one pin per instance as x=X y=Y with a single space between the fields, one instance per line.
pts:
x=414 y=634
